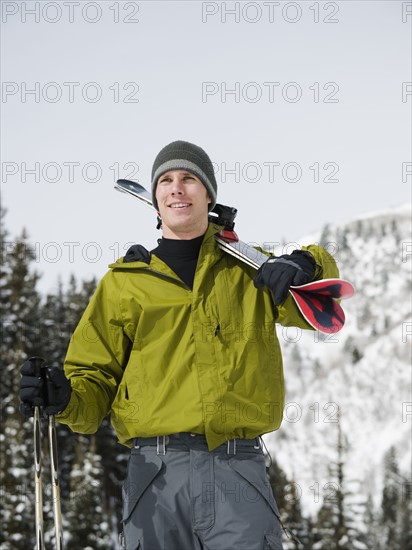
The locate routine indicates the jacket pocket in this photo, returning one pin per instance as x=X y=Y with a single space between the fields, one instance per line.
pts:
x=141 y=472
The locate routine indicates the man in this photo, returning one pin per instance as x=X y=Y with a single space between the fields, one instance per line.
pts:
x=179 y=344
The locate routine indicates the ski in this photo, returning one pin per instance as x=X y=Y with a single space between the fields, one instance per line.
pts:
x=317 y=301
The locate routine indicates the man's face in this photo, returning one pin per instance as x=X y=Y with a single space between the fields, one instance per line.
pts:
x=183 y=203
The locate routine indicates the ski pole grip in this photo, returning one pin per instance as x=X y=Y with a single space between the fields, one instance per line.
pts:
x=50 y=388
x=38 y=368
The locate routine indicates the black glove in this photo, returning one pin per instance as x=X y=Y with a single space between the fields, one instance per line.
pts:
x=45 y=387
x=280 y=272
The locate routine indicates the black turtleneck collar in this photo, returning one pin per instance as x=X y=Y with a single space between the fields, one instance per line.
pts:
x=181 y=256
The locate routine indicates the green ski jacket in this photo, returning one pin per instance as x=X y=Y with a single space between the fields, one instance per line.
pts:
x=163 y=358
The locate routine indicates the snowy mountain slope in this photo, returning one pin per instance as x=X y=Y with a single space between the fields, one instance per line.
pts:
x=360 y=377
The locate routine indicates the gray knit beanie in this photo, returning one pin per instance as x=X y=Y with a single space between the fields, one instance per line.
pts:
x=182 y=155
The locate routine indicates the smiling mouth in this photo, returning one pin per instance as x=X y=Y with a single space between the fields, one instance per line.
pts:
x=180 y=205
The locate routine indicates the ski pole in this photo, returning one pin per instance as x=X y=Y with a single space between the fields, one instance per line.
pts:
x=38 y=478
x=42 y=372
x=51 y=430
x=55 y=483
x=38 y=363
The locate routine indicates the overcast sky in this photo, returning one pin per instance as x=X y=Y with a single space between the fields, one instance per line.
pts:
x=304 y=107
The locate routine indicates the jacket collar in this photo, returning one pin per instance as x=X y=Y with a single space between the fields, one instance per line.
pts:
x=138 y=257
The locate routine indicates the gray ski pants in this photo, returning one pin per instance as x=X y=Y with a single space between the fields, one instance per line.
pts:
x=180 y=496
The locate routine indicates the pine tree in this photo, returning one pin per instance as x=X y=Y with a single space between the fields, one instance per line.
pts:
x=19 y=308
x=300 y=536
x=89 y=524
x=390 y=498
x=336 y=528
x=373 y=526
x=405 y=523
x=298 y=529
x=114 y=463
x=331 y=518
x=396 y=506
x=54 y=332
x=278 y=482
